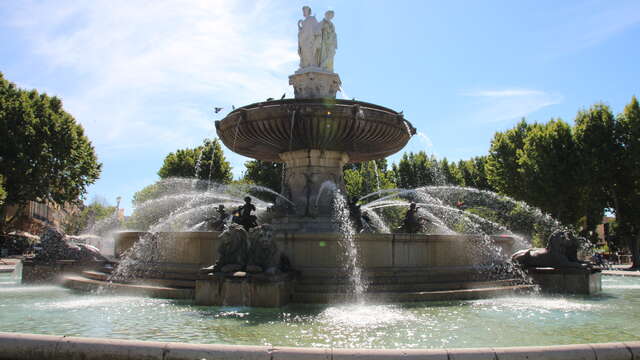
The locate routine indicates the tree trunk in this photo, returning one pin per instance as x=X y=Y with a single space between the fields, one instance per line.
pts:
x=3 y=218
x=634 y=244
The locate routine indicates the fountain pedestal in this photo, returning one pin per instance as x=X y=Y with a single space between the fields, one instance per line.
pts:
x=311 y=178
x=315 y=84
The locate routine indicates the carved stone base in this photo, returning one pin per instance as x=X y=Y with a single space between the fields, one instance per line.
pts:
x=567 y=281
x=311 y=178
x=307 y=225
x=258 y=291
x=315 y=84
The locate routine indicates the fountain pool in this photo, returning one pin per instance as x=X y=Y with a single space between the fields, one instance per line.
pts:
x=523 y=320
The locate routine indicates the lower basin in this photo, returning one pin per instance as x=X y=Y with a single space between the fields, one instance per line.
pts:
x=512 y=321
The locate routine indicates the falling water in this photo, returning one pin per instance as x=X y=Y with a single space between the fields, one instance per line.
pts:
x=199 y=164
x=348 y=243
x=180 y=205
x=375 y=169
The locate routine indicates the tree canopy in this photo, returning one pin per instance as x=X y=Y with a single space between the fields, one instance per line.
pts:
x=45 y=154
x=95 y=212
x=366 y=177
x=3 y=194
x=205 y=162
x=264 y=173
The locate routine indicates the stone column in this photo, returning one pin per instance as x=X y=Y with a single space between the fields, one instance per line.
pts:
x=307 y=173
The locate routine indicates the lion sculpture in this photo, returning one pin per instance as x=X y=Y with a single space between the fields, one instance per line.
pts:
x=233 y=249
x=263 y=253
x=253 y=251
x=561 y=252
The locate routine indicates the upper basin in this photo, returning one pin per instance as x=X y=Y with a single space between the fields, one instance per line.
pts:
x=364 y=131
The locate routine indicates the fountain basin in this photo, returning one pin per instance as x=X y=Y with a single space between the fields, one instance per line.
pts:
x=531 y=320
x=322 y=251
x=395 y=268
x=362 y=130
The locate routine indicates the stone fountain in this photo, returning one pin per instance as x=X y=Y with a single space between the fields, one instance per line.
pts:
x=315 y=135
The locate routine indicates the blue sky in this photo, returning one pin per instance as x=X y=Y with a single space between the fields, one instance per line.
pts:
x=142 y=77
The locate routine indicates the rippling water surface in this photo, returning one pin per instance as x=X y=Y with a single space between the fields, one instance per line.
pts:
x=519 y=320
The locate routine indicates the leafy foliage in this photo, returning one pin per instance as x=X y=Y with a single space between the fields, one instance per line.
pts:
x=416 y=170
x=548 y=166
x=366 y=177
x=473 y=173
x=95 y=212
x=45 y=154
x=598 y=147
x=3 y=193
x=205 y=162
x=626 y=183
x=502 y=165
x=264 y=173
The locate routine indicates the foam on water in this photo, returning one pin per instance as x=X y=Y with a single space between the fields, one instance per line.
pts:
x=510 y=321
x=362 y=315
x=92 y=301
x=536 y=304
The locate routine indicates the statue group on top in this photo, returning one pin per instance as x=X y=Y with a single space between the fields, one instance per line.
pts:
x=317 y=41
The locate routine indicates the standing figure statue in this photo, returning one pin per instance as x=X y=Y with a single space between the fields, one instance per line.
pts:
x=329 y=42
x=309 y=39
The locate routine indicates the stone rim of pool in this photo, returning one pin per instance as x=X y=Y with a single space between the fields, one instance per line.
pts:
x=29 y=346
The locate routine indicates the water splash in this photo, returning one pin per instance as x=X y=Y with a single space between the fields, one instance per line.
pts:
x=348 y=243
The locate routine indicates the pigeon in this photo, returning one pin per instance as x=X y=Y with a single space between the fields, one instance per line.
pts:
x=283 y=95
x=233 y=107
x=217 y=109
x=270 y=99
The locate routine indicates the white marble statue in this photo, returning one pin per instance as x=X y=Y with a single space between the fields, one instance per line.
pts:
x=309 y=39
x=329 y=42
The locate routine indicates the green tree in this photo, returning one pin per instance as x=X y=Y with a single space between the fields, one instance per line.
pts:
x=45 y=154
x=450 y=173
x=502 y=167
x=473 y=174
x=205 y=162
x=626 y=181
x=3 y=194
x=147 y=193
x=264 y=173
x=416 y=170
x=549 y=164
x=90 y=214
x=598 y=147
x=366 y=177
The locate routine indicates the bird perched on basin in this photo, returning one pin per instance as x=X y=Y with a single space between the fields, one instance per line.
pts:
x=217 y=109
x=283 y=95
x=270 y=99
x=233 y=107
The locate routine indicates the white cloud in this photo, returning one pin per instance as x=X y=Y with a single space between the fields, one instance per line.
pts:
x=508 y=104
x=148 y=73
x=589 y=23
